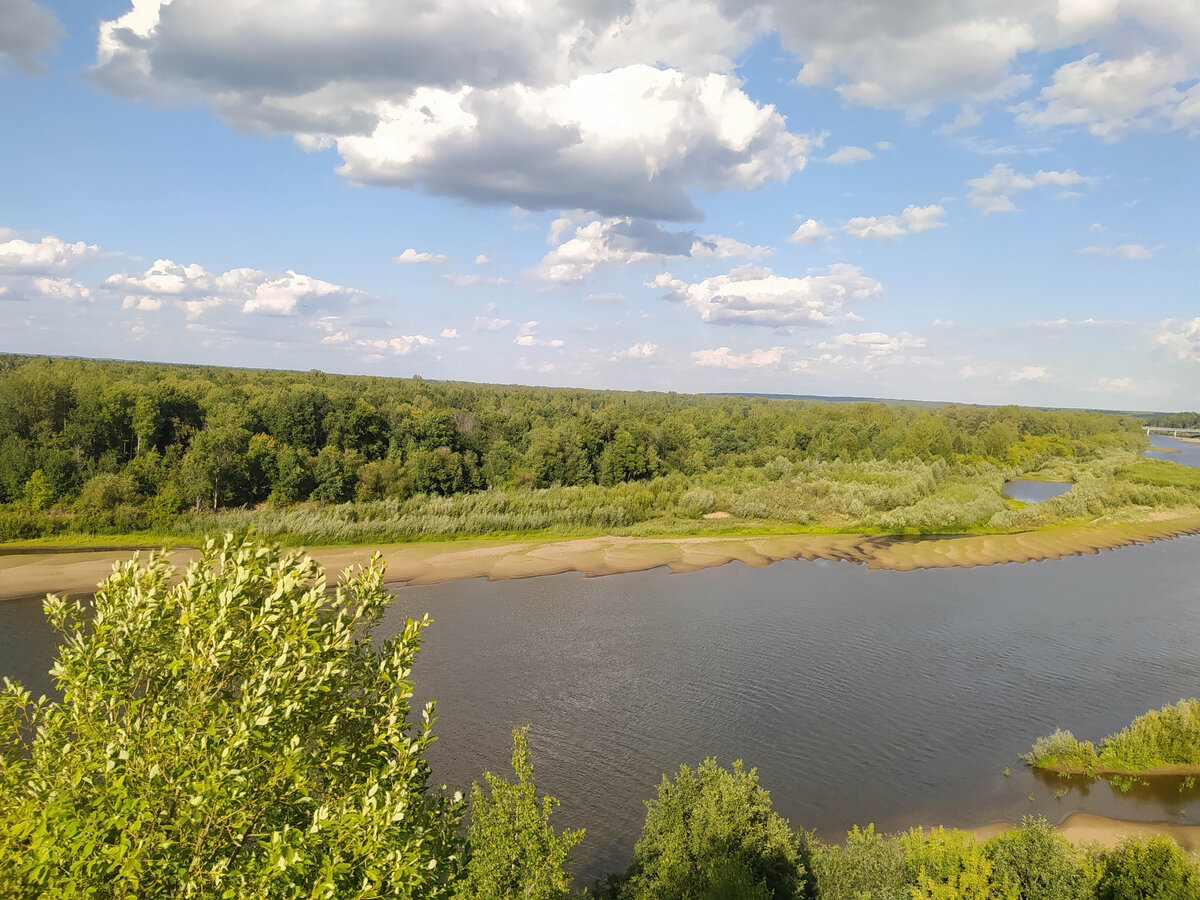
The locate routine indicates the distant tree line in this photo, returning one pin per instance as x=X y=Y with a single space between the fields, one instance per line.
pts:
x=1174 y=420
x=126 y=446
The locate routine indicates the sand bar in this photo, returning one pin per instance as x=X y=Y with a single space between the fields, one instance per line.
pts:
x=1087 y=828
x=34 y=572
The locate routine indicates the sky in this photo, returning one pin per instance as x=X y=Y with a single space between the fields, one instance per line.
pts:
x=981 y=201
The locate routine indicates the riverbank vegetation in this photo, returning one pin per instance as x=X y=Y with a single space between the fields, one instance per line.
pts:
x=165 y=453
x=240 y=733
x=1165 y=740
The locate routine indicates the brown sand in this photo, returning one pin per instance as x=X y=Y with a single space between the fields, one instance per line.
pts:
x=28 y=574
x=1087 y=828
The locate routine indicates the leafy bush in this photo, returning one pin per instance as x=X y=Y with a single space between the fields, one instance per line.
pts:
x=234 y=734
x=1040 y=863
x=711 y=833
x=514 y=851
x=1061 y=749
x=870 y=867
x=1154 y=867
x=951 y=865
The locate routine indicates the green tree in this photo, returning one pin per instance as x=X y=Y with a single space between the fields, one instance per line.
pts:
x=869 y=867
x=515 y=854
x=1153 y=868
x=713 y=830
x=1039 y=862
x=235 y=734
x=951 y=865
x=38 y=493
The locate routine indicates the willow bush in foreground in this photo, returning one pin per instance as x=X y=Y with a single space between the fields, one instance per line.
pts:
x=1166 y=737
x=233 y=735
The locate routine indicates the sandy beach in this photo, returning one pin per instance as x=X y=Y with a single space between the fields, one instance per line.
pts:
x=1087 y=828
x=26 y=572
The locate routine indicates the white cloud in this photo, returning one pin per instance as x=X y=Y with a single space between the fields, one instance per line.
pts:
x=1182 y=339
x=912 y=220
x=61 y=288
x=411 y=256
x=624 y=241
x=449 y=333
x=809 y=232
x=142 y=304
x=849 y=155
x=48 y=256
x=527 y=337
x=197 y=291
x=1124 y=251
x=644 y=350
x=400 y=346
x=482 y=259
x=29 y=30
x=990 y=192
x=1115 y=96
x=966 y=119
x=472 y=279
x=1029 y=373
x=489 y=321
x=757 y=296
x=1115 y=384
x=622 y=109
x=725 y=358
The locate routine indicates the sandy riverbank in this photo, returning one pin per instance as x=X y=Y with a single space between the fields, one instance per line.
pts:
x=1087 y=828
x=33 y=573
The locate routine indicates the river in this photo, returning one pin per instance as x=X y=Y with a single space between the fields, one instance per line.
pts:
x=861 y=696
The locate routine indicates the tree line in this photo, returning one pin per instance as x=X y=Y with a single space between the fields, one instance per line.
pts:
x=91 y=446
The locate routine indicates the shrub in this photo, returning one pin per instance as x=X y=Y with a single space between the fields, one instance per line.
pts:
x=233 y=734
x=869 y=866
x=514 y=851
x=1154 y=867
x=1040 y=863
x=712 y=833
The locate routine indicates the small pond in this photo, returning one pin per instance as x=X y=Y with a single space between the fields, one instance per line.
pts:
x=1034 y=491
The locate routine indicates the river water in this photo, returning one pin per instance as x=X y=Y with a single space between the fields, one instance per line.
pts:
x=861 y=696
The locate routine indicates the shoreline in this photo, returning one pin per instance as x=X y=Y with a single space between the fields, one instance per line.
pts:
x=32 y=572
x=1081 y=828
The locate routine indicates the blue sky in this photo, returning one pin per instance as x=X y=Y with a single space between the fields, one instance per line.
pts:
x=980 y=201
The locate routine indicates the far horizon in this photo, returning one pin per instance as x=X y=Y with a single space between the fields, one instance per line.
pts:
x=986 y=202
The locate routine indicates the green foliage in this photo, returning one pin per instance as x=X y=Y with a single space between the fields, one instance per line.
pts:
x=1160 y=738
x=951 y=865
x=1040 y=863
x=1153 y=868
x=235 y=734
x=869 y=867
x=1061 y=749
x=711 y=833
x=515 y=854
x=217 y=440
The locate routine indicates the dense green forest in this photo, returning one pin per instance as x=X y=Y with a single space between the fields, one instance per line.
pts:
x=102 y=447
x=1175 y=420
x=241 y=733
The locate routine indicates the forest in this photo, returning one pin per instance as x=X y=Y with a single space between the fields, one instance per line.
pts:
x=172 y=451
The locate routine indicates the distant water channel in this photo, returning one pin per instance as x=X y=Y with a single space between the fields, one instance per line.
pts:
x=861 y=696
x=1034 y=491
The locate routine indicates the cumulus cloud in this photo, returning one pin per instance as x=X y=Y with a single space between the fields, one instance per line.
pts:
x=32 y=270
x=50 y=255
x=1124 y=251
x=541 y=105
x=411 y=257
x=30 y=30
x=1182 y=339
x=990 y=193
x=912 y=220
x=757 y=296
x=489 y=321
x=643 y=350
x=449 y=333
x=809 y=232
x=623 y=240
x=1029 y=373
x=849 y=155
x=966 y=119
x=402 y=345
x=197 y=291
x=725 y=358
x=1114 y=96
x=527 y=337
